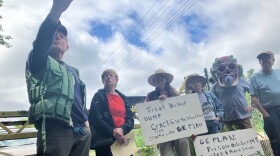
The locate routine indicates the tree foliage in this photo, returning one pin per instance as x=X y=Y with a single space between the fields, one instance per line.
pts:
x=249 y=74
x=4 y=38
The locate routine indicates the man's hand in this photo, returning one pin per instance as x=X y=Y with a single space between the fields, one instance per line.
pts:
x=61 y=5
x=249 y=109
x=58 y=7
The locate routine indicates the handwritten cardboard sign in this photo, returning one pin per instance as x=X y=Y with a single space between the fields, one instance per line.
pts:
x=234 y=143
x=171 y=119
x=125 y=150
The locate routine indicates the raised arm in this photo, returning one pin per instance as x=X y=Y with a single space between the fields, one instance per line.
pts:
x=58 y=7
x=37 y=59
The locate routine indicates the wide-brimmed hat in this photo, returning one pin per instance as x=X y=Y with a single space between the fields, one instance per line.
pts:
x=265 y=54
x=169 y=77
x=195 y=77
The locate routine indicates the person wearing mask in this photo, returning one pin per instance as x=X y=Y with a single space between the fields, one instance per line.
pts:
x=231 y=90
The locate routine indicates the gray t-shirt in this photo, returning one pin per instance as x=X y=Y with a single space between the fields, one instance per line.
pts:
x=234 y=100
x=217 y=90
x=207 y=108
x=266 y=87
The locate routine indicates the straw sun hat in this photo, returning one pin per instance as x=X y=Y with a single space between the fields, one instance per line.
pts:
x=152 y=79
x=195 y=77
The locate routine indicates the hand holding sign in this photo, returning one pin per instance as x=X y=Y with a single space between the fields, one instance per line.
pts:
x=162 y=97
x=127 y=148
x=171 y=119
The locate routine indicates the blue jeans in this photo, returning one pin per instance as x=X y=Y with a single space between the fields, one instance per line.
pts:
x=213 y=126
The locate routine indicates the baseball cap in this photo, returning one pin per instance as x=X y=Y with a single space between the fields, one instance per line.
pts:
x=265 y=54
x=62 y=29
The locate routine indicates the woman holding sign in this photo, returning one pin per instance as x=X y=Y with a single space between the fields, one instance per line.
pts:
x=211 y=106
x=110 y=116
x=161 y=81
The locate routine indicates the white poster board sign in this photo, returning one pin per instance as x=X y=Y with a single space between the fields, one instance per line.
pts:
x=171 y=119
x=234 y=143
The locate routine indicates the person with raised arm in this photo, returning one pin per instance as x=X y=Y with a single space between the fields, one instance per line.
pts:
x=56 y=92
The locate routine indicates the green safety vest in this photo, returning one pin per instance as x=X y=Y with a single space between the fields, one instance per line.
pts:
x=51 y=92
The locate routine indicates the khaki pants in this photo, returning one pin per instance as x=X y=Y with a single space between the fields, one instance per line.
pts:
x=238 y=124
x=180 y=147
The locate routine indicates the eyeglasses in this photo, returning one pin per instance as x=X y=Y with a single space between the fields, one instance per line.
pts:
x=231 y=66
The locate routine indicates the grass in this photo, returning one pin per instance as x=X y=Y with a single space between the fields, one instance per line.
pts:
x=143 y=150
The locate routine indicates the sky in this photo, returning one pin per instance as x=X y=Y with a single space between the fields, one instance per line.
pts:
x=137 y=37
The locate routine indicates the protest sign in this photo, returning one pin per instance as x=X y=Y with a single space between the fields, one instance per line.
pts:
x=170 y=119
x=235 y=143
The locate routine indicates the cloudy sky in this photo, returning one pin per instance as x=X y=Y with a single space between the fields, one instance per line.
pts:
x=136 y=37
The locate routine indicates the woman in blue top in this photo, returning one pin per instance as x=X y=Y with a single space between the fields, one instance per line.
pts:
x=211 y=106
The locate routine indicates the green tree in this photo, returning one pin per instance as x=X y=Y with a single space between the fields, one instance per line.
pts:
x=249 y=74
x=4 y=38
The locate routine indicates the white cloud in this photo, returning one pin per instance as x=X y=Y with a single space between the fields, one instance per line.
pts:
x=241 y=28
